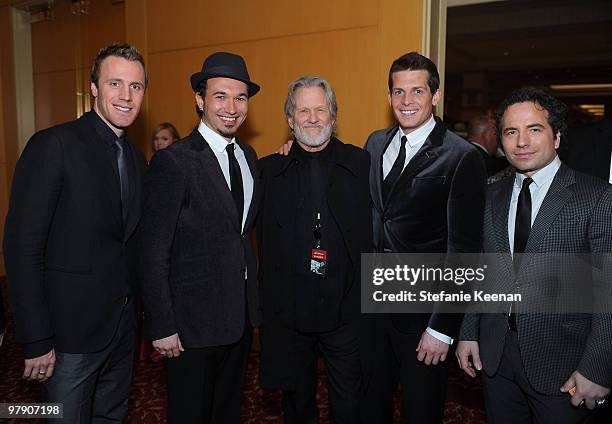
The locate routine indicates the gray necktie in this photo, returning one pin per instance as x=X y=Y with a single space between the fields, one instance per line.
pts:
x=122 y=166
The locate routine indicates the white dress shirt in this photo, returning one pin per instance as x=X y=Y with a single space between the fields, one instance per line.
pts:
x=218 y=144
x=542 y=180
x=415 y=141
x=610 y=180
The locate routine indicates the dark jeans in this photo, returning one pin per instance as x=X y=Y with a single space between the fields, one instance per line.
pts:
x=95 y=387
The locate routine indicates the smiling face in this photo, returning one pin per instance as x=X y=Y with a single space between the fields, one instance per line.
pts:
x=411 y=99
x=119 y=92
x=527 y=137
x=311 y=122
x=225 y=105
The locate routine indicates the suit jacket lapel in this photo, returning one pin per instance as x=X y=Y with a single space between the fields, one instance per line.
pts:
x=425 y=156
x=556 y=198
x=103 y=166
x=377 y=196
x=135 y=201
x=500 y=207
x=212 y=170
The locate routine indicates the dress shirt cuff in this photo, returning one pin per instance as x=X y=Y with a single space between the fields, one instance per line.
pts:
x=36 y=349
x=442 y=337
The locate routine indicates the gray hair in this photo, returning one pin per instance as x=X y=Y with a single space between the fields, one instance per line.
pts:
x=311 y=81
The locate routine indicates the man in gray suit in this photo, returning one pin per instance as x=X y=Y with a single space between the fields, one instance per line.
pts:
x=197 y=264
x=540 y=367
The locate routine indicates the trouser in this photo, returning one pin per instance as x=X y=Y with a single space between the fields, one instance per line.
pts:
x=95 y=387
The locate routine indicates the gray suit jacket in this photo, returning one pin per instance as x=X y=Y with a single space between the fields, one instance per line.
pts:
x=193 y=254
x=575 y=218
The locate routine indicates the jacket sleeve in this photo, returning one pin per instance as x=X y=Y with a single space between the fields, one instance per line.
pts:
x=37 y=186
x=164 y=195
x=465 y=216
x=596 y=361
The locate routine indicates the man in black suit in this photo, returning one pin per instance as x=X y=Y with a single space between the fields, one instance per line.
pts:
x=68 y=247
x=314 y=223
x=539 y=365
x=427 y=188
x=197 y=267
x=481 y=133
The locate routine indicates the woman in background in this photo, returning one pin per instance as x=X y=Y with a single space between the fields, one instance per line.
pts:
x=164 y=135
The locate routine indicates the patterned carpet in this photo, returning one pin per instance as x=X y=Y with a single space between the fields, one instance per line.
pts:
x=147 y=402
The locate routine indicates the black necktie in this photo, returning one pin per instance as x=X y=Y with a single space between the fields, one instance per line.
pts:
x=235 y=180
x=396 y=169
x=122 y=166
x=522 y=224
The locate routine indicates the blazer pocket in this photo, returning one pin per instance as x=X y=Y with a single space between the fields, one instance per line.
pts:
x=429 y=180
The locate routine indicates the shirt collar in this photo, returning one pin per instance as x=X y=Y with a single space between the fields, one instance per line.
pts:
x=419 y=135
x=542 y=176
x=103 y=130
x=216 y=141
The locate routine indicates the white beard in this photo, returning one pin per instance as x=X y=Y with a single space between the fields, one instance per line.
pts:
x=305 y=138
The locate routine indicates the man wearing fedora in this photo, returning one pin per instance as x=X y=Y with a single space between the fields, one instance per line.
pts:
x=197 y=266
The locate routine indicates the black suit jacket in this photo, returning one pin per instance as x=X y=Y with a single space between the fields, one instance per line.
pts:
x=193 y=254
x=575 y=218
x=492 y=164
x=68 y=253
x=348 y=200
x=588 y=148
x=435 y=206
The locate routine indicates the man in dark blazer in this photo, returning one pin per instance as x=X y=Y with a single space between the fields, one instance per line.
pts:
x=427 y=188
x=314 y=223
x=68 y=248
x=541 y=366
x=197 y=267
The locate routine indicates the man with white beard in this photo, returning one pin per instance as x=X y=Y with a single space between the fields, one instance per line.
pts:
x=314 y=222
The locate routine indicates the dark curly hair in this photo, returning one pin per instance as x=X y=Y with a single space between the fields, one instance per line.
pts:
x=556 y=109
x=414 y=61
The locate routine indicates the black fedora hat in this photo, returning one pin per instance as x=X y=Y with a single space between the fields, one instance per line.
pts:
x=227 y=65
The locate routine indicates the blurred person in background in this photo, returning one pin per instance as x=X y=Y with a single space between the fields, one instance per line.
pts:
x=164 y=135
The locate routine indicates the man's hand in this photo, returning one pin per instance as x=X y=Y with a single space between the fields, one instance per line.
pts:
x=586 y=390
x=465 y=349
x=431 y=350
x=284 y=149
x=169 y=346
x=40 y=368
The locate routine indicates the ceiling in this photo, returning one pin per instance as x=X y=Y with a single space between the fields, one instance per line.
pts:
x=503 y=45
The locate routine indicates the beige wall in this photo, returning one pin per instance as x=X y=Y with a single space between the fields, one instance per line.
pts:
x=351 y=43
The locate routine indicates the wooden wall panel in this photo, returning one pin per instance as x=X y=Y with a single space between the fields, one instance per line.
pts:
x=54 y=43
x=174 y=25
x=65 y=48
x=8 y=116
x=54 y=98
x=349 y=43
